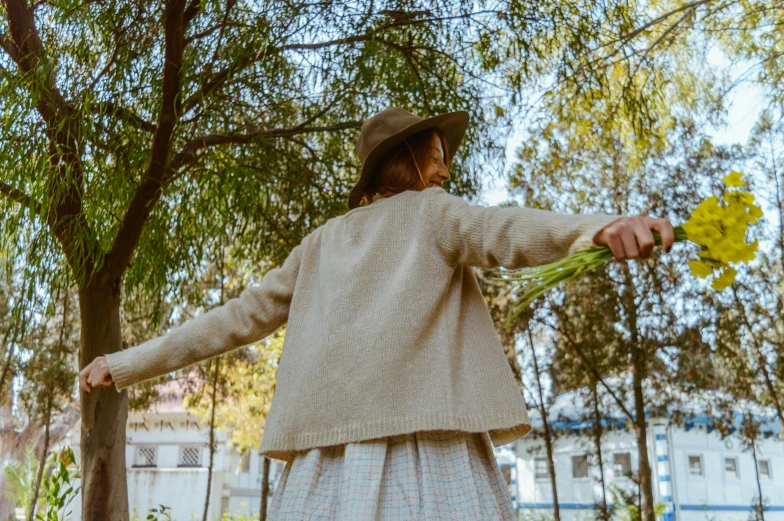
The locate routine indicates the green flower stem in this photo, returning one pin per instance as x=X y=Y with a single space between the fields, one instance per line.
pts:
x=535 y=281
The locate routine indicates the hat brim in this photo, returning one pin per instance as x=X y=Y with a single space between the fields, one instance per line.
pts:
x=452 y=125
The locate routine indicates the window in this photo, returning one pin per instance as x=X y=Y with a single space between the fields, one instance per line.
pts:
x=190 y=457
x=764 y=468
x=622 y=464
x=145 y=456
x=541 y=470
x=579 y=466
x=695 y=465
x=730 y=468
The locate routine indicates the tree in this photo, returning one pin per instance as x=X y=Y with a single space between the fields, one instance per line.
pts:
x=590 y=149
x=139 y=132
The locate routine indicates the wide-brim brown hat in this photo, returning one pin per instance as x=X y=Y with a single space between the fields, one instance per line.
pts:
x=385 y=130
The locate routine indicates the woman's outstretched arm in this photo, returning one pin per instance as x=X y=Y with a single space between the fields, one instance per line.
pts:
x=515 y=237
x=258 y=311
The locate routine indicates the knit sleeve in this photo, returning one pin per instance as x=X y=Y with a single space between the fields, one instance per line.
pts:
x=258 y=311
x=511 y=237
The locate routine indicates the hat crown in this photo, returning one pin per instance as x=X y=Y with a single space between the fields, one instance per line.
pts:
x=381 y=126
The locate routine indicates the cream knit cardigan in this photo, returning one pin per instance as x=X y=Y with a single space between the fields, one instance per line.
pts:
x=388 y=331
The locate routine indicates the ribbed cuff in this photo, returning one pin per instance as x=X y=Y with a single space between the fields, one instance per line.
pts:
x=594 y=224
x=119 y=369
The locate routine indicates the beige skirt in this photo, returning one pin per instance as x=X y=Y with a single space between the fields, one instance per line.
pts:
x=421 y=476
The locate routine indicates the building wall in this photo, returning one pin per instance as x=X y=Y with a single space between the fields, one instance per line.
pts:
x=716 y=491
x=713 y=496
x=183 y=489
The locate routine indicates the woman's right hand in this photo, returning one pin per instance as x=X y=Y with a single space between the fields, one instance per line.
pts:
x=631 y=237
x=95 y=374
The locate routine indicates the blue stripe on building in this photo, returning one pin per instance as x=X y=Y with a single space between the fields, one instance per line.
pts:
x=583 y=506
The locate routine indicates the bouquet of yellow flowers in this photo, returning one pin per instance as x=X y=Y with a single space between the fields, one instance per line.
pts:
x=718 y=226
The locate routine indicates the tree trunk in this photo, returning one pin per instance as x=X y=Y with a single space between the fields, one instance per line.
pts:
x=264 y=489
x=548 y=442
x=639 y=365
x=760 y=506
x=43 y=460
x=597 y=431
x=104 y=412
x=212 y=437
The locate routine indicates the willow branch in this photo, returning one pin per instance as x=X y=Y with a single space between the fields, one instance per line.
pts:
x=111 y=108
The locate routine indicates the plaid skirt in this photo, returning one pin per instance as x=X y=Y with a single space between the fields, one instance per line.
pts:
x=421 y=476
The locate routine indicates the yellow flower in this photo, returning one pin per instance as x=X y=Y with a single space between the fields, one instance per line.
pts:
x=734 y=179
x=700 y=269
x=755 y=212
x=725 y=279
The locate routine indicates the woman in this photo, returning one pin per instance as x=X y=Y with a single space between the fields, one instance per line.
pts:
x=392 y=386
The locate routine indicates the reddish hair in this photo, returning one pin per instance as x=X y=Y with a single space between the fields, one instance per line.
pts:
x=396 y=171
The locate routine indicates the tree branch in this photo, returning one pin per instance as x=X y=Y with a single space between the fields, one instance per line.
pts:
x=151 y=187
x=9 y=47
x=220 y=77
x=20 y=197
x=188 y=153
x=65 y=214
x=110 y=108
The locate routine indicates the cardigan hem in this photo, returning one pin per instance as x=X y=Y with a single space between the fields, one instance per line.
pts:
x=502 y=430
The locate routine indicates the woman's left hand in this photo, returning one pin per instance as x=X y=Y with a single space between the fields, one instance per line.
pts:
x=95 y=374
x=631 y=237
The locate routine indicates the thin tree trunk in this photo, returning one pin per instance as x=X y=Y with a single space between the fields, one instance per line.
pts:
x=597 y=431
x=639 y=365
x=264 y=489
x=11 y=343
x=760 y=505
x=31 y=517
x=7 y=365
x=548 y=442
x=104 y=411
x=761 y=361
x=212 y=437
x=214 y=396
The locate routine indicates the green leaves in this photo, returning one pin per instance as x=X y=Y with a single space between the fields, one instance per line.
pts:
x=58 y=489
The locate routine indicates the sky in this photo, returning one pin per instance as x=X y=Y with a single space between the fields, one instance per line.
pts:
x=746 y=102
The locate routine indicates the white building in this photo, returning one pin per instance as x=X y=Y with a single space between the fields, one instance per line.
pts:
x=167 y=458
x=696 y=475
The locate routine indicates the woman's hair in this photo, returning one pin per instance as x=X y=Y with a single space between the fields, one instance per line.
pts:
x=396 y=171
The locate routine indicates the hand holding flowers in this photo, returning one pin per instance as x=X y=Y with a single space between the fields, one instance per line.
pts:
x=718 y=226
x=632 y=238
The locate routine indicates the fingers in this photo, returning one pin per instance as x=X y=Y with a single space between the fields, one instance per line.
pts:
x=632 y=238
x=84 y=374
x=666 y=231
x=629 y=240
x=95 y=374
x=644 y=238
x=616 y=245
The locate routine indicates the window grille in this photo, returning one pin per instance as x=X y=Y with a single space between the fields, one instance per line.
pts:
x=190 y=457
x=145 y=456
